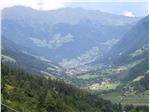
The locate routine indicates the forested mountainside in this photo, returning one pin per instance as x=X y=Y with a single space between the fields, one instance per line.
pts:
x=24 y=92
x=14 y=54
x=133 y=48
x=133 y=45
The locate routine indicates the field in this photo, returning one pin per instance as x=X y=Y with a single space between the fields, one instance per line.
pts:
x=116 y=70
x=136 y=99
x=105 y=85
x=48 y=74
x=8 y=59
x=87 y=76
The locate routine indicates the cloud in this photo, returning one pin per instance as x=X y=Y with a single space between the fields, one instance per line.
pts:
x=129 y=14
x=46 y=4
x=53 y=4
x=9 y=3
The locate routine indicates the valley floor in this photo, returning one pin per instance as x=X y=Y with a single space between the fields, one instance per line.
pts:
x=134 y=99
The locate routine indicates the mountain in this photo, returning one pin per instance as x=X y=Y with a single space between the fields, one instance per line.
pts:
x=13 y=54
x=133 y=45
x=125 y=70
x=68 y=15
x=105 y=54
x=127 y=64
x=22 y=91
x=55 y=34
x=133 y=48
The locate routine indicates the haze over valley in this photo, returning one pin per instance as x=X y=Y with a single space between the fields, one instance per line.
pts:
x=101 y=53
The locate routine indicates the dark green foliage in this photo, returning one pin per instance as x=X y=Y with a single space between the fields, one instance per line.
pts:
x=34 y=93
x=131 y=108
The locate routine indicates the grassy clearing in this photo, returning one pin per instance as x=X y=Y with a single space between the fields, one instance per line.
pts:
x=9 y=88
x=105 y=85
x=109 y=86
x=48 y=74
x=87 y=76
x=8 y=59
x=136 y=99
x=139 y=52
x=115 y=97
x=138 y=78
x=119 y=69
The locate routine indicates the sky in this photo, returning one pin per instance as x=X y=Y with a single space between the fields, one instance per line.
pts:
x=130 y=8
x=122 y=8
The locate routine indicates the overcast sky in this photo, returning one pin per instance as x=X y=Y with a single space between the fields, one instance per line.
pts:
x=122 y=7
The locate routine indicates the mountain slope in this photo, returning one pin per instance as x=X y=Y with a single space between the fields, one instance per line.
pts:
x=33 y=93
x=13 y=54
x=133 y=47
x=55 y=34
x=52 y=95
x=134 y=42
x=126 y=69
x=129 y=65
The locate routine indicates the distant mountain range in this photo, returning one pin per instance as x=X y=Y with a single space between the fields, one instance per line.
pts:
x=55 y=34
